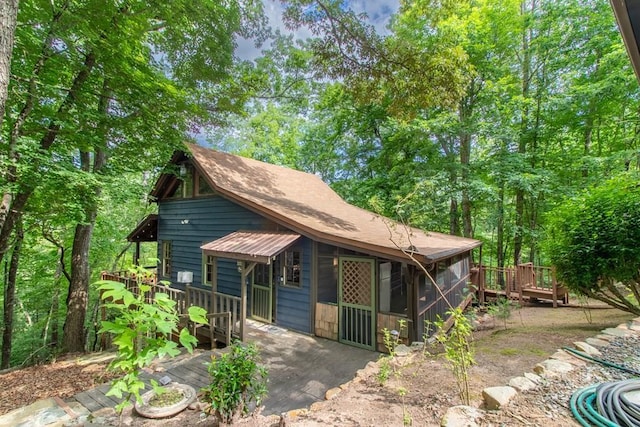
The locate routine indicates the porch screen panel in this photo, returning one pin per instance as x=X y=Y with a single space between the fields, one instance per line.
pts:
x=356 y=306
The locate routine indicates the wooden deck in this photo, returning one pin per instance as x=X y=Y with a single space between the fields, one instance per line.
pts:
x=185 y=370
x=524 y=282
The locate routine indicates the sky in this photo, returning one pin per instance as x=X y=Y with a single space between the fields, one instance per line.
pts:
x=378 y=11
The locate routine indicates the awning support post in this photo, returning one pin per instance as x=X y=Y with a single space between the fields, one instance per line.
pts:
x=245 y=270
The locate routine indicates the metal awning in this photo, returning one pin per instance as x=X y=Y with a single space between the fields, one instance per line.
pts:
x=146 y=230
x=256 y=246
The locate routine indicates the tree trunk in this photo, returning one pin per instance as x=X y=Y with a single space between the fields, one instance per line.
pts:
x=74 y=334
x=12 y=205
x=9 y=299
x=524 y=130
x=500 y=233
x=8 y=19
x=454 y=217
x=465 y=110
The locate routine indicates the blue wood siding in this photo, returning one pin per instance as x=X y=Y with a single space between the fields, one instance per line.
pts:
x=188 y=223
x=208 y=219
x=292 y=304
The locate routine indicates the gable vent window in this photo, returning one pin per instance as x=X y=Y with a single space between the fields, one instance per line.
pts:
x=203 y=188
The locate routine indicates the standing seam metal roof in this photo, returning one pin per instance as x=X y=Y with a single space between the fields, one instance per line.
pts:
x=259 y=246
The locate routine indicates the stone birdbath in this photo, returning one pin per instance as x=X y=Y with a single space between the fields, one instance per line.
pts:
x=175 y=399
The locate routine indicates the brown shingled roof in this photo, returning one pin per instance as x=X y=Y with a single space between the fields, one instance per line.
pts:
x=305 y=204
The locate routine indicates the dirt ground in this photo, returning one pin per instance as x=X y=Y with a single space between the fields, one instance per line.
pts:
x=418 y=392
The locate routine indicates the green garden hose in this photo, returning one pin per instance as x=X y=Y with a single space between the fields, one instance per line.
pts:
x=606 y=404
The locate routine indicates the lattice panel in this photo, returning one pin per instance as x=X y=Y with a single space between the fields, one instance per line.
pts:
x=356 y=282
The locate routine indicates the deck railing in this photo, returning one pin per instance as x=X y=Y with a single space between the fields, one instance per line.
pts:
x=223 y=309
x=522 y=280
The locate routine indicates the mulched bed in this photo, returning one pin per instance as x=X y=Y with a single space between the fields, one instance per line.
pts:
x=63 y=378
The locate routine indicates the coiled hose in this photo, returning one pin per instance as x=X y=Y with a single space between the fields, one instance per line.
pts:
x=606 y=404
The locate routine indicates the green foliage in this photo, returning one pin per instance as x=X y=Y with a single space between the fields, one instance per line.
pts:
x=501 y=309
x=458 y=349
x=237 y=379
x=594 y=242
x=406 y=417
x=384 y=369
x=391 y=339
x=142 y=332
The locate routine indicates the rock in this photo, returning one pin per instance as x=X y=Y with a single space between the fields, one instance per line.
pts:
x=318 y=406
x=634 y=326
x=552 y=368
x=537 y=379
x=346 y=385
x=597 y=342
x=402 y=350
x=565 y=356
x=497 y=397
x=332 y=392
x=605 y=337
x=617 y=332
x=295 y=413
x=461 y=416
x=522 y=384
x=587 y=348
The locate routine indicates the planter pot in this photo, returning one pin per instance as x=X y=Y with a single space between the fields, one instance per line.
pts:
x=148 y=411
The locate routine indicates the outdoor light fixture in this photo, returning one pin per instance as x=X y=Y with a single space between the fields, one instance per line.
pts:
x=183 y=170
x=240 y=266
x=184 y=221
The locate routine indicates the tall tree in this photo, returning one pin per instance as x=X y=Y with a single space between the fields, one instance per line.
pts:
x=120 y=83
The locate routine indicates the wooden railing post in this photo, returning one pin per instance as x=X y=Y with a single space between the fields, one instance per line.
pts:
x=187 y=298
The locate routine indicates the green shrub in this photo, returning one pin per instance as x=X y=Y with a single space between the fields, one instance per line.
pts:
x=593 y=242
x=141 y=332
x=459 y=352
x=237 y=379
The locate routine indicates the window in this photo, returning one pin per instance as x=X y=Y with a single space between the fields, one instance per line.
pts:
x=261 y=273
x=207 y=269
x=327 y=273
x=292 y=268
x=166 y=258
x=184 y=185
x=393 y=290
x=203 y=188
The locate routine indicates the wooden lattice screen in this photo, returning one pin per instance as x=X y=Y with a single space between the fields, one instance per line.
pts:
x=356 y=283
x=356 y=305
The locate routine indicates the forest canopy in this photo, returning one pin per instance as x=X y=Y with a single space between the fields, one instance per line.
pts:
x=476 y=118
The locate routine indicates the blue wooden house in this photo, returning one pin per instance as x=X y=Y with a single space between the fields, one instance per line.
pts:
x=255 y=240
